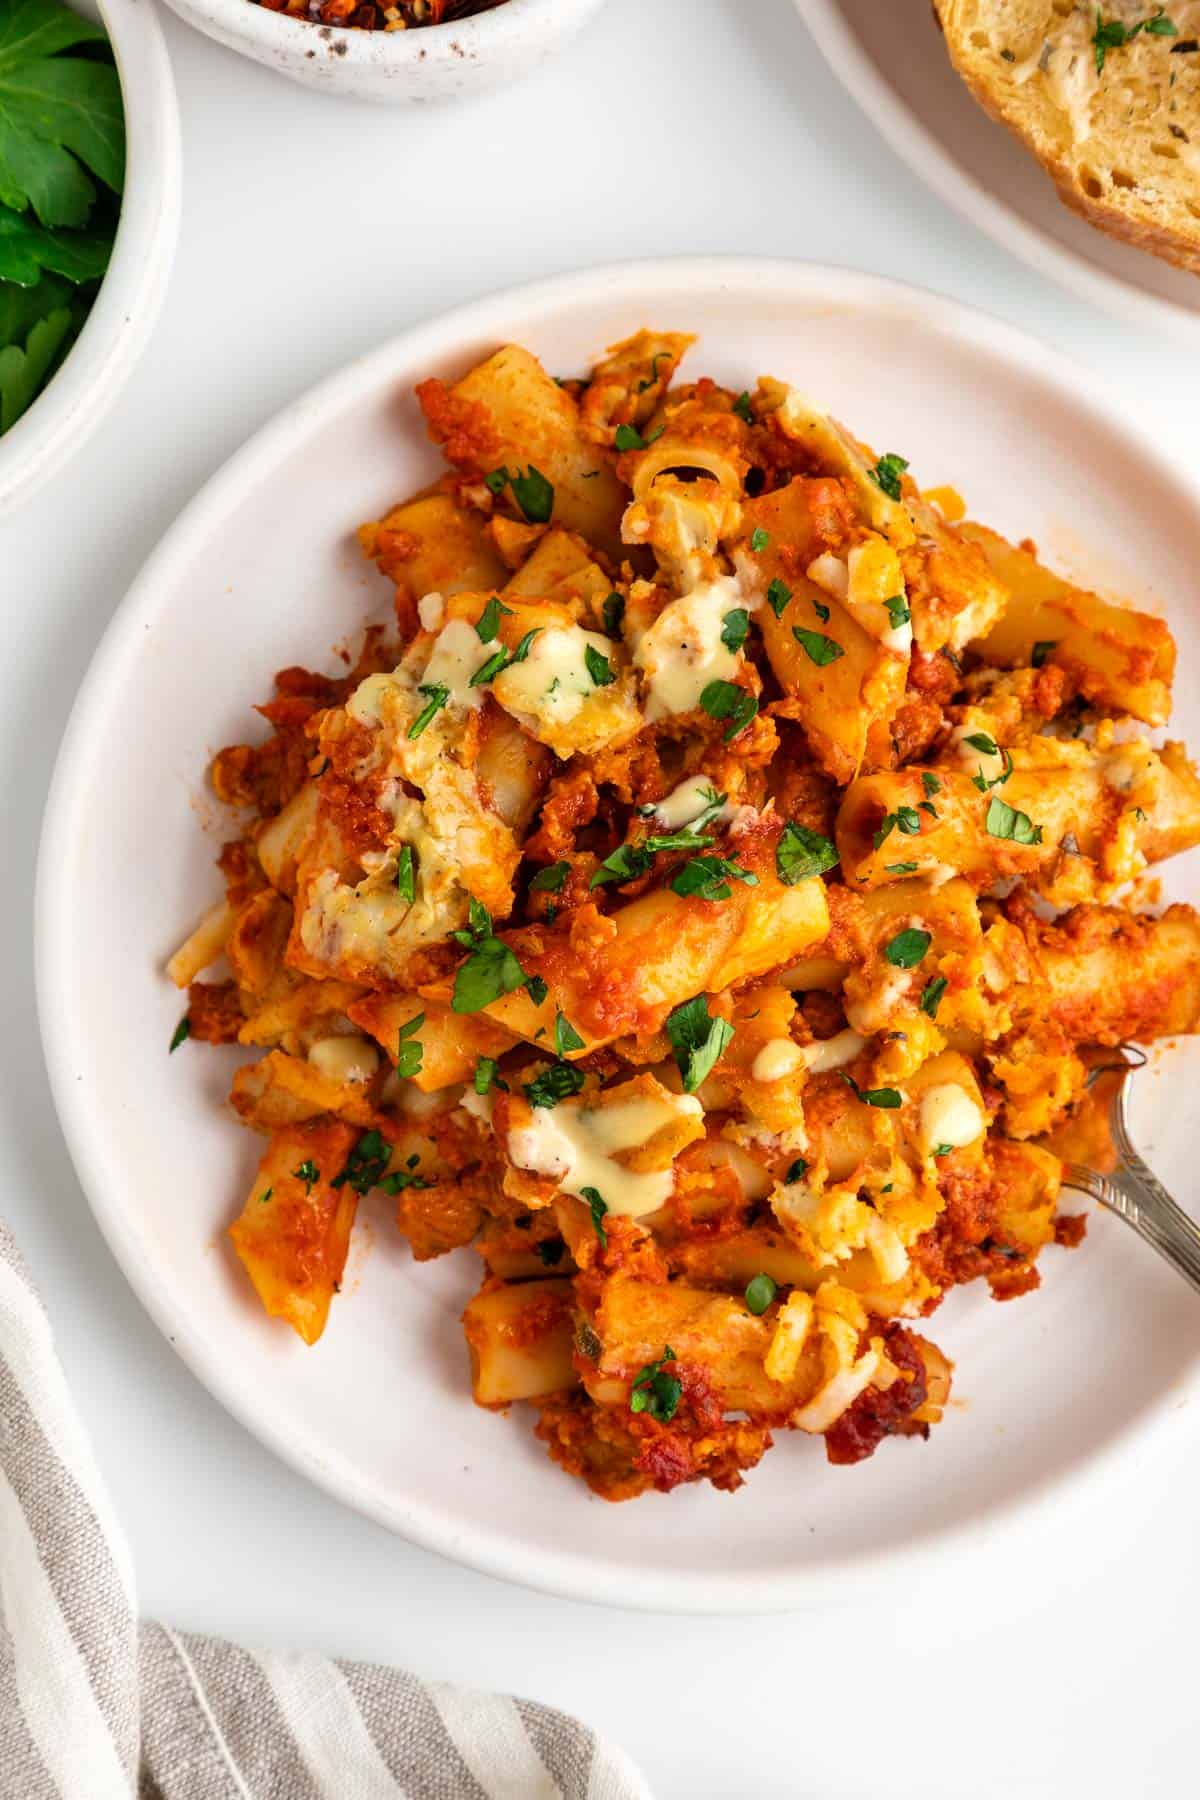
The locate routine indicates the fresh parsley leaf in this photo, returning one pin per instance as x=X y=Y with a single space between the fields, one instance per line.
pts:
x=724 y=700
x=653 y=377
x=27 y=247
x=565 y=1035
x=489 y=971
x=537 y=989
x=760 y=1291
x=898 y=611
x=1004 y=821
x=654 y=1391
x=533 y=494
x=500 y=660
x=1113 y=34
x=931 y=997
x=598 y=666
x=943 y=1149
x=735 y=628
x=497 y=480
x=628 y=437
x=597 y=1206
x=403 y=1178
x=796 y=1171
x=57 y=114
x=759 y=539
x=817 y=647
x=486 y=1077
x=742 y=408
x=406 y=874
x=979 y=740
x=24 y=372
x=263 y=1198
x=778 y=595
x=697 y=1039
x=708 y=878
x=612 y=612
x=931 y=784
x=801 y=853
x=408 y=1051
x=905 y=818
x=886 y=1098
x=180 y=1035
x=821 y=611
x=438 y=696
x=489 y=619
x=626 y=863
x=22 y=307
x=887 y=473
x=556 y=1083
x=907 y=948
x=1041 y=651
x=902 y=868
x=551 y=879
x=308 y=1173
x=366 y=1163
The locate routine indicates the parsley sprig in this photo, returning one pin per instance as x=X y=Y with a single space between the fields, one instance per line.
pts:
x=698 y=1040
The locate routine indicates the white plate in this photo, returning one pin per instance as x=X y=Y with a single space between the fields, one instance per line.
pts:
x=890 y=56
x=261 y=571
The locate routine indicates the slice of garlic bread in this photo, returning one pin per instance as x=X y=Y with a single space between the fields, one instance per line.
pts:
x=1107 y=97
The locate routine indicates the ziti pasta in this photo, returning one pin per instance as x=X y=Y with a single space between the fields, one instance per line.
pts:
x=702 y=907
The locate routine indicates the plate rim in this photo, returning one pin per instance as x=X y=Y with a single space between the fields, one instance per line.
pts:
x=545 y=1568
x=929 y=160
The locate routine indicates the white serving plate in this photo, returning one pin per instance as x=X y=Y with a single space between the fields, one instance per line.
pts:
x=260 y=571
x=889 y=55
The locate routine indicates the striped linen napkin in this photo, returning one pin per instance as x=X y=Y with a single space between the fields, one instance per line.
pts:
x=95 y=1706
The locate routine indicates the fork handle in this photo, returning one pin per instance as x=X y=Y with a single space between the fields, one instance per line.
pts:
x=1136 y=1195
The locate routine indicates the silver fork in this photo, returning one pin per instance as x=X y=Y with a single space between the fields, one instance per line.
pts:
x=1134 y=1192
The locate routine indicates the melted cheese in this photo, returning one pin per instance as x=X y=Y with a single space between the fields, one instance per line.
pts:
x=872 y=1011
x=687 y=802
x=431 y=610
x=984 y=762
x=833 y=1053
x=682 y=651
x=948 y=1116
x=778 y=1058
x=553 y=682
x=345 y=1058
x=458 y=654
x=578 y=1146
x=830 y=573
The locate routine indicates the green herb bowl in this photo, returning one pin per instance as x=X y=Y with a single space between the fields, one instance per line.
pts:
x=127 y=304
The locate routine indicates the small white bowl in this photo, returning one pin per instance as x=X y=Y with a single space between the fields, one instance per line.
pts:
x=435 y=62
x=127 y=304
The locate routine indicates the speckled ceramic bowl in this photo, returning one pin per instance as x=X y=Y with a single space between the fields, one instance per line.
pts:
x=437 y=62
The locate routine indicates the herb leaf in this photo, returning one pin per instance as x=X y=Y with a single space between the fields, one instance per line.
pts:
x=56 y=114
x=886 y=1098
x=438 y=696
x=654 y=1391
x=1041 y=651
x=533 y=494
x=931 y=997
x=365 y=1163
x=489 y=619
x=406 y=874
x=486 y=1077
x=741 y=407
x=724 y=700
x=628 y=437
x=817 y=647
x=778 y=595
x=759 y=539
x=565 y=1035
x=308 y=1173
x=597 y=1207
x=550 y=880
x=697 y=1039
x=887 y=473
x=760 y=1291
x=612 y=612
x=905 y=818
x=598 y=666
x=490 y=970
x=708 y=878
x=1004 y=821
x=735 y=628
x=907 y=948
x=181 y=1034
x=801 y=853
x=556 y=1083
x=796 y=1171
x=898 y=611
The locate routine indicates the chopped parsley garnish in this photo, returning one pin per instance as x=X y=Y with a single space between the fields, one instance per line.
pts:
x=898 y=611
x=697 y=1039
x=181 y=1034
x=486 y=1077
x=796 y=1171
x=597 y=1207
x=979 y=740
x=612 y=612
x=650 y=380
x=551 y=1251
x=308 y=1173
x=741 y=407
x=1005 y=821
x=550 y=880
x=817 y=647
x=408 y=1051
x=724 y=700
x=760 y=1291
x=759 y=539
x=931 y=784
x=931 y=997
x=404 y=1178
x=502 y=659
x=1112 y=34
x=598 y=666
x=778 y=595
x=365 y=1164
x=490 y=970
x=943 y=1149
x=489 y=619
x=1041 y=651
x=556 y=1083
x=907 y=948
x=654 y=1391
x=628 y=861
x=264 y=1197
x=905 y=818
x=708 y=878
x=887 y=1098
x=531 y=491
x=628 y=437
x=801 y=853
x=735 y=628
x=927 y=806
x=822 y=612
x=565 y=1035
x=537 y=989
x=406 y=874
x=980 y=780
x=887 y=473
x=438 y=696
x=902 y=868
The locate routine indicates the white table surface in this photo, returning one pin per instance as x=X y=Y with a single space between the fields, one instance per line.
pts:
x=1055 y=1659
